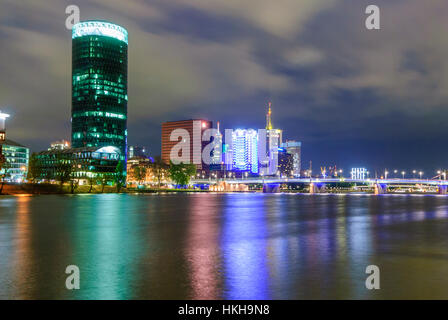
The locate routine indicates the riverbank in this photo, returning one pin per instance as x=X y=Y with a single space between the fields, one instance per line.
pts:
x=41 y=189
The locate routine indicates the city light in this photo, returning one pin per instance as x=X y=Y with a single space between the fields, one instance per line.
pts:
x=3 y=117
x=359 y=173
x=100 y=28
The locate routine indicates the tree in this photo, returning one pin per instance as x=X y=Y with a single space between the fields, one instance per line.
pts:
x=74 y=182
x=34 y=168
x=181 y=173
x=92 y=180
x=64 y=170
x=104 y=180
x=139 y=173
x=119 y=176
x=159 y=168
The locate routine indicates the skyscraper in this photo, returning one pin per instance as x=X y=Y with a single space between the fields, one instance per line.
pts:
x=217 y=160
x=294 y=148
x=245 y=150
x=273 y=142
x=99 y=85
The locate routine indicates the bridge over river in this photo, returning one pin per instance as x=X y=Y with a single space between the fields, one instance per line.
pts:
x=318 y=185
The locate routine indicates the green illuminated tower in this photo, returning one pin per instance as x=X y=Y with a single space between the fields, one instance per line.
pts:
x=99 y=85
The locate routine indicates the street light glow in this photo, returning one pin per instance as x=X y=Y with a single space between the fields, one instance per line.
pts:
x=3 y=116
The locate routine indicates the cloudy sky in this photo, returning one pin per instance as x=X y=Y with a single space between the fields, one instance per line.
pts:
x=354 y=97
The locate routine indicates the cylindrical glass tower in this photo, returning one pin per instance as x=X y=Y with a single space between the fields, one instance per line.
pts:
x=99 y=85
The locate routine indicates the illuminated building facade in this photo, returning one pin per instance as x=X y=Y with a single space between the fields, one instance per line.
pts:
x=17 y=159
x=294 y=148
x=193 y=129
x=137 y=151
x=99 y=85
x=285 y=163
x=60 y=145
x=15 y=155
x=154 y=175
x=87 y=162
x=359 y=173
x=227 y=155
x=245 y=150
x=217 y=153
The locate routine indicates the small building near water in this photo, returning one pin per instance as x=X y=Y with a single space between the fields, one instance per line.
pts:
x=88 y=162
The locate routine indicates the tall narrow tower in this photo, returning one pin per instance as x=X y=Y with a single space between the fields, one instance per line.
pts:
x=268 y=117
x=273 y=142
x=99 y=85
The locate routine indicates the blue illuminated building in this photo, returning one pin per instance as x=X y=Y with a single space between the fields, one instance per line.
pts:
x=245 y=150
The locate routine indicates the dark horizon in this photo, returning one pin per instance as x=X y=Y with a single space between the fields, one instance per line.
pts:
x=353 y=97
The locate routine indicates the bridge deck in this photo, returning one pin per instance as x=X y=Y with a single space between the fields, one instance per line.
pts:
x=317 y=180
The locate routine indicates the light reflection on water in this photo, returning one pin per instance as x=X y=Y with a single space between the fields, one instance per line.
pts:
x=223 y=246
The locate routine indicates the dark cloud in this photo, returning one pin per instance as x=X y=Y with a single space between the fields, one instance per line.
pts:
x=346 y=92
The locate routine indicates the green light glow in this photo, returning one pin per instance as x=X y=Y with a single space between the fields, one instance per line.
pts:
x=99 y=28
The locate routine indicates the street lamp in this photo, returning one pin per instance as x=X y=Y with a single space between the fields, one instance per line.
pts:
x=385 y=174
x=420 y=174
x=403 y=173
x=414 y=172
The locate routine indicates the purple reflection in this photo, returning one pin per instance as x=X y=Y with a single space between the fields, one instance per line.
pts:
x=244 y=248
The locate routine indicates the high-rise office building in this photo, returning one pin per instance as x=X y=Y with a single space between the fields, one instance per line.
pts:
x=269 y=166
x=217 y=153
x=193 y=129
x=285 y=163
x=99 y=85
x=294 y=148
x=245 y=150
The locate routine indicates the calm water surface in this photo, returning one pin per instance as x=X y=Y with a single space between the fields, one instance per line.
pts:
x=229 y=246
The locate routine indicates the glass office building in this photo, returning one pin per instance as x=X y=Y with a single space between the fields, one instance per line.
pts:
x=87 y=162
x=245 y=150
x=99 y=85
x=17 y=158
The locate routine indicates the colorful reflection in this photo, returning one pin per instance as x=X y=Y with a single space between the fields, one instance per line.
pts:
x=203 y=251
x=244 y=248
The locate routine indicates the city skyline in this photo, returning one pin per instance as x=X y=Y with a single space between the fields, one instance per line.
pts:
x=362 y=123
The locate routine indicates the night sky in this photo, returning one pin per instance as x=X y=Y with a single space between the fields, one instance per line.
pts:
x=354 y=97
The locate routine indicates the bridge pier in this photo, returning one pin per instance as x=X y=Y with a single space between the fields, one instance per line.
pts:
x=271 y=188
x=442 y=189
x=380 y=188
x=317 y=187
